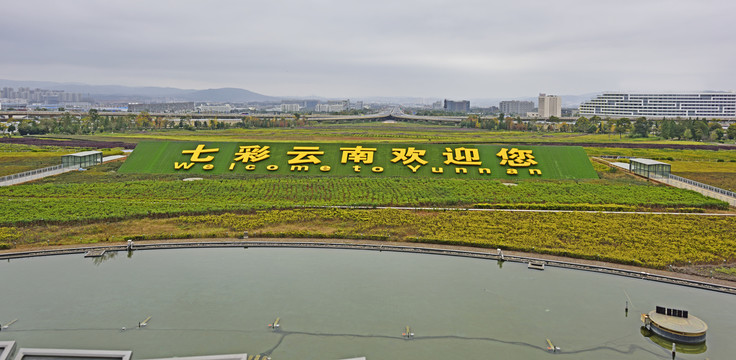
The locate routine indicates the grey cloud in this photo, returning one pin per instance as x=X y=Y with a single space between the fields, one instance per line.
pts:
x=464 y=49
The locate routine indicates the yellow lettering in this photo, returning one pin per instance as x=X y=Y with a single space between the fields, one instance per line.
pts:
x=272 y=167
x=232 y=166
x=325 y=168
x=462 y=156
x=516 y=157
x=484 y=171
x=511 y=172
x=186 y=166
x=250 y=167
x=357 y=154
x=300 y=167
x=198 y=151
x=535 y=172
x=377 y=169
x=437 y=170
x=305 y=155
x=208 y=167
x=458 y=170
x=414 y=168
x=356 y=168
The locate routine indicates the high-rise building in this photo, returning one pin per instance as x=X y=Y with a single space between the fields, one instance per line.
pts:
x=516 y=107
x=549 y=105
x=457 y=106
x=708 y=105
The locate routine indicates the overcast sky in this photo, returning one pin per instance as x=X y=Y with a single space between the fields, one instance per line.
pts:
x=457 y=49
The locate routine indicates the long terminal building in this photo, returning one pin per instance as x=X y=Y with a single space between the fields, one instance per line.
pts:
x=666 y=105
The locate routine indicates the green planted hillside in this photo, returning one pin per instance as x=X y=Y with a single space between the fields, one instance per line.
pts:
x=94 y=201
x=362 y=159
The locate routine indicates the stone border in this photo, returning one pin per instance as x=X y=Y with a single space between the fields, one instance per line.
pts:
x=7 y=347
x=73 y=353
x=384 y=247
x=210 y=357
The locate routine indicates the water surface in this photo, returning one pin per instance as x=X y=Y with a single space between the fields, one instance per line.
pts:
x=337 y=304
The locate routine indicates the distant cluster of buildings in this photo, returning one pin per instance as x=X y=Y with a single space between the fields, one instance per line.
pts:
x=548 y=106
x=25 y=97
x=285 y=106
x=608 y=104
x=318 y=106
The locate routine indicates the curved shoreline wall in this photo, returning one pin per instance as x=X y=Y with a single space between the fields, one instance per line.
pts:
x=375 y=247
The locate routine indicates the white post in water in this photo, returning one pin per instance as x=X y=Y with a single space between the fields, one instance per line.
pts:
x=674 y=352
x=130 y=245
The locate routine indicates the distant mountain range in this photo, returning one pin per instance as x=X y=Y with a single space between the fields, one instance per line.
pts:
x=234 y=95
x=113 y=92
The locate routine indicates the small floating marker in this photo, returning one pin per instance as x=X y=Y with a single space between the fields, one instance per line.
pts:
x=122 y=329
x=674 y=351
x=8 y=324
x=551 y=347
x=275 y=325
x=407 y=333
x=145 y=322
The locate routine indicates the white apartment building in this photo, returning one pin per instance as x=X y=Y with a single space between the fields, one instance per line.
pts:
x=549 y=105
x=516 y=107
x=707 y=105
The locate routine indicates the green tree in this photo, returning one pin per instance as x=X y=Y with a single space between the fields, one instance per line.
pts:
x=622 y=126
x=641 y=128
x=731 y=131
x=582 y=124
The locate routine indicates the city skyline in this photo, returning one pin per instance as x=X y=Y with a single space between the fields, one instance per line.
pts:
x=455 y=50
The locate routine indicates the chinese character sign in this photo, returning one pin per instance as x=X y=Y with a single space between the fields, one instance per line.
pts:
x=462 y=161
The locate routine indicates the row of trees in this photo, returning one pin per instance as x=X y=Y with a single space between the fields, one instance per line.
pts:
x=93 y=123
x=690 y=129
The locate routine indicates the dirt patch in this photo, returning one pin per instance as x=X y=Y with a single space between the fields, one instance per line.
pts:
x=69 y=143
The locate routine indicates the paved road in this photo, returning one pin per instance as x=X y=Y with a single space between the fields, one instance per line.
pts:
x=41 y=175
x=683 y=185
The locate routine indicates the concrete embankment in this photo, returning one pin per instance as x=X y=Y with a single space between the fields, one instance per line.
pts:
x=487 y=254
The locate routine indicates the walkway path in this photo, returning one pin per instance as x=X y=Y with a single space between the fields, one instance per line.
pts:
x=45 y=172
x=683 y=185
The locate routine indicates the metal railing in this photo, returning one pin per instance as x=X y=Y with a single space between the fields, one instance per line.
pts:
x=703 y=186
x=30 y=173
x=615 y=157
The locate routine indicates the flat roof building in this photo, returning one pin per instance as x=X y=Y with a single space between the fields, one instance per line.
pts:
x=649 y=168
x=706 y=105
x=549 y=105
x=82 y=159
x=516 y=107
x=457 y=106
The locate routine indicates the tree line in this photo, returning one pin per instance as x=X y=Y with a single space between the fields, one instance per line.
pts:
x=679 y=129
x=93 y=123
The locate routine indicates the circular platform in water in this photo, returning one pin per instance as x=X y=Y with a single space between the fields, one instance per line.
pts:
x=690 y=329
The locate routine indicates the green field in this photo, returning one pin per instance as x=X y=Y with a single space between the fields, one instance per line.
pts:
x=145 y=198
x=106 y=195
x=648 y=240
x=363 y=159
x=16 y=158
